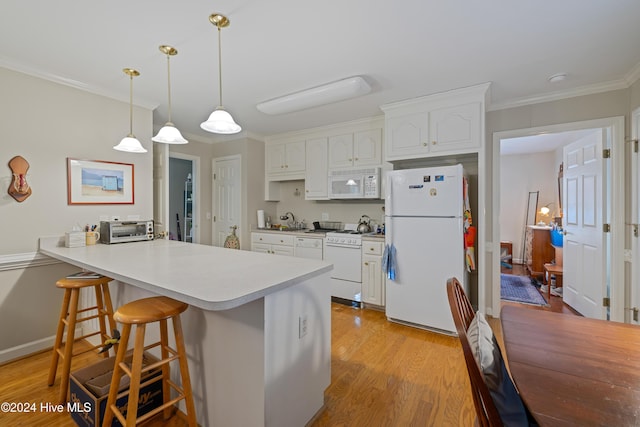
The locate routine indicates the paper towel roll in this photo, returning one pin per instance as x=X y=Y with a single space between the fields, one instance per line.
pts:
x=260 y=219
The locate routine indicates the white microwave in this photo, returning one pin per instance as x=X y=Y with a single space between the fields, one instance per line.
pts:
x=354 y=184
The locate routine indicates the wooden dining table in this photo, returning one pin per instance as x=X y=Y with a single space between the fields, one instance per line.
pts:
x=571 y=370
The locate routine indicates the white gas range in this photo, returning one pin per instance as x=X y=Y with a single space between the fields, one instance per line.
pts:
x=344 y=250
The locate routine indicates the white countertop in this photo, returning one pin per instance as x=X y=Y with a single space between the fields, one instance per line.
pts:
x=207 y=277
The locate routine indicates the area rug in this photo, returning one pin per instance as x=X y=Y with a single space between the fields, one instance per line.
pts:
x=520 y=289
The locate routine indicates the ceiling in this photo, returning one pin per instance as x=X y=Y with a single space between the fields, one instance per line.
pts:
x=541 y=143
x=272 y=48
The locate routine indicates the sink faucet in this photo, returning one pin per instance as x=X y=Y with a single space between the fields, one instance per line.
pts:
x=285 y=217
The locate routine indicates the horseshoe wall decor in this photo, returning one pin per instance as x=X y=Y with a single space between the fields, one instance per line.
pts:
x=19 y=188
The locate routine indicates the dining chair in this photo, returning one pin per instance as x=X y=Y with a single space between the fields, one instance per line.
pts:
x=463 y=315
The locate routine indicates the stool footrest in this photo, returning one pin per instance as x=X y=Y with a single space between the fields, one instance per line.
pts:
x=125 y=367
x=84 y=319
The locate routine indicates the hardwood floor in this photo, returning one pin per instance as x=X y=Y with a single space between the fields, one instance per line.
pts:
x=386 y=374
x=25 y=381
x=382 y=373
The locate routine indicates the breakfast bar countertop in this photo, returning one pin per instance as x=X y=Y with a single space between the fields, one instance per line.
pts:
x=208 y=277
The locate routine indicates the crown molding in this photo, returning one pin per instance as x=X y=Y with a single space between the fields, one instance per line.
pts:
x=556 y=96
x=33 y=72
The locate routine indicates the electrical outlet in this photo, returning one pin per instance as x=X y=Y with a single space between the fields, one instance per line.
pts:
x=209 y=216
x=325 y=216
x=303 y=325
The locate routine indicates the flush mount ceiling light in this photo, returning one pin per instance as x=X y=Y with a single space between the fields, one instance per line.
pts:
x=220 y=121
x=129 y=143
x=169 y=134
x=320 y=95
x=557 y=78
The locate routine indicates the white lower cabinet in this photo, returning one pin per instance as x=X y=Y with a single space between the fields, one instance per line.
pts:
x=272 y=243
x=372 y=277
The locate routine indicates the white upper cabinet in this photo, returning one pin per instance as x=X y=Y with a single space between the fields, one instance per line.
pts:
x=407 y=136
x=446 y=123
x=367 y=147
x=455 y=128
x=341 y=151
x=285 y=159
x=361 y=148
x=316 y=173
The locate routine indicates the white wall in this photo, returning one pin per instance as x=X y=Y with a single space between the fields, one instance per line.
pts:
x=520 y=174
x=45 y=123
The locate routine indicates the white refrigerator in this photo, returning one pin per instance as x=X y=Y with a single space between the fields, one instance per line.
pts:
x=424 y=223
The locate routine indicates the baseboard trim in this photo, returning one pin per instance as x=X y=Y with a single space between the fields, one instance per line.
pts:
x=24 y=260
x=29 y=348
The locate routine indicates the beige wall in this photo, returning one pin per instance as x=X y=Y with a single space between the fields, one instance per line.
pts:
x=520 y=174
x=45 y=123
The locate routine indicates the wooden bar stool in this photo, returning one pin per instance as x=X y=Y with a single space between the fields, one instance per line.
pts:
x=139 y=313
x=69 y=317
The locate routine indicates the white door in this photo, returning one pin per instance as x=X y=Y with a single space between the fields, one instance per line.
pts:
x=635 y=239
x=226 y=198
x=584 y=281
x=161 y=188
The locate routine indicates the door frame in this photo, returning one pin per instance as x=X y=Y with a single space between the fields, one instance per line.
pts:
x=614 y=212
x=635 y=215
x=195 y=179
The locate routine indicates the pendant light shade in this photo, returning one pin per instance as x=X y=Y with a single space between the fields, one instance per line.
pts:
x=220 y=121
x=129 y=143
x=169 y=134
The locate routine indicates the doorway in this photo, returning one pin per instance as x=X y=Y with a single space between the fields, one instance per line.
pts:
x=615 y=193
x=183 y=198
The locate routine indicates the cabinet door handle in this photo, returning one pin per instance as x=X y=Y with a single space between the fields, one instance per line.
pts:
x=424 y=144
x=434 y=142
x=366 y=263
x=356 y=159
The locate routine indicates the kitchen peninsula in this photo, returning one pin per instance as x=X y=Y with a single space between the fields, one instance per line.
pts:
x=258 y=332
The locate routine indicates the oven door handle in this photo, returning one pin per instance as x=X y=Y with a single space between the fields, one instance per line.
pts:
x=338 y=245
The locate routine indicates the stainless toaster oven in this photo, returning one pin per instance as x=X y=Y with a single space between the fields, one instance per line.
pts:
x=125 y=231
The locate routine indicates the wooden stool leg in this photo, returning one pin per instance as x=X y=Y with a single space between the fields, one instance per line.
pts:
x=117 y=374
x=108 y=306
x=166 y=369
x=136 y=374
x=68 y=345
x=58 y=343
x=101 y=315
x=184 y=372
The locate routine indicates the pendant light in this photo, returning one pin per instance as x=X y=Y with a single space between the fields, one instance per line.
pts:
x=169 y=134
x=220 y=121
x=129 y=143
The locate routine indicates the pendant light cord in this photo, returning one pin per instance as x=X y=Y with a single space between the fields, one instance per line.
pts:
x=131 y=105
x=220 y=63
x=169 y=85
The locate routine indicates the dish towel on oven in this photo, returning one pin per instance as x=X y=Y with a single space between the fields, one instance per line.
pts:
x=389 y=261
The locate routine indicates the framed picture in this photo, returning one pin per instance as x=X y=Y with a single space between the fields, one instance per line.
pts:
x=92 y=182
